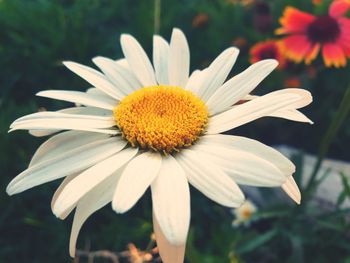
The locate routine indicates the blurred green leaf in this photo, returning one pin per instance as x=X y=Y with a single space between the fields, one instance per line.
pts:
x=346 y=189
x=256 y=242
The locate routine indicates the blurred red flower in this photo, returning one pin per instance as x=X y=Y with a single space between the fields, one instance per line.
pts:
x=317 y=2
x=292 y=82
x=308 y=34
x=200 y=20
x=267 y=49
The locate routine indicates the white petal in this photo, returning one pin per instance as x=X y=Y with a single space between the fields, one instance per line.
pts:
x=293 y=115
x=239 y=86
x=123 y=63
x=210 y=179
x=250 y=97
x=59 y=191
x=243 y=167
x=64 y=121
x=96 y=199
x=61 y=143
x=289 y=114
x=95 y=78
x=217 y=73
x=305 y=97
x=179 y=59
x=75 y=110
x=88 y=111
x=91 y=177
x=171 y=201
x=168 y=252
x=138 y=60
x=195 y=80
x=101 y=121
x=260 y=107
x=160 y=59
x=123 y=79
x=96 y=91
x=71 y=162
x=136 y=177
x=42 y=133
x=251 y=146
x=80 y=97
x=292 y=190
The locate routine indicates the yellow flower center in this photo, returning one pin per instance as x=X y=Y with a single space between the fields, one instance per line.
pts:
x=162 y=118
x=247 y=213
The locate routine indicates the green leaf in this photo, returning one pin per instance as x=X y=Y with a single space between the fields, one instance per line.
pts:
x=297 y=248
x=346 y=189
x=256 y=242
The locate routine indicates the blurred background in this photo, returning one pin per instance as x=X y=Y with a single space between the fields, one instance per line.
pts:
x=37 y=35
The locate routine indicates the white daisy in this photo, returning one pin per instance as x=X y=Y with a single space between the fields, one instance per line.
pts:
x=144 y=125
x=244 y=214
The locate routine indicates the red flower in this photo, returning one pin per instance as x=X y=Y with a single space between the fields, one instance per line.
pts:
x=308 y=34
x=267 y=49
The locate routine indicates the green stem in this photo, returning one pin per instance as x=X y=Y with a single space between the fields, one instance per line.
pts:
x=338 y=120
x=156 y=16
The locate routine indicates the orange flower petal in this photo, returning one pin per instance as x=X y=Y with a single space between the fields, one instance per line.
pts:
x=312 y=54
x=339 y=8
x=294 y=21
x=333 y=54
x=295 y=47
x=344 y=38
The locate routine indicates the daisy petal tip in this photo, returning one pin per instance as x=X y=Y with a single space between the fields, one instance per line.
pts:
x=296 y=199
x=44 y=93
x=97 y=59
x=68 y=63
x=177 y=30
x=180 y=35
x=56 y=214
x=292 y=190
x=13 y=188
x=273 y=63
x=72 y=252
x=126 y=37
x=9 y=190
x=234 y=50
x=310 y=121
x=57 y=211
x=119 y=209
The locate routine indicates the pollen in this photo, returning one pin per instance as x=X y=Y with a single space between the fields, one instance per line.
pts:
x=161 y=118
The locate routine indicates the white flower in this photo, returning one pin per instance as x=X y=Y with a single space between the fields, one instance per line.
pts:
x=244 y=214
x=144 y=125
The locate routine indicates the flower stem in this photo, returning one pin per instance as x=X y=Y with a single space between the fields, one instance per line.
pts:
x=338 y=120
x=156 y=16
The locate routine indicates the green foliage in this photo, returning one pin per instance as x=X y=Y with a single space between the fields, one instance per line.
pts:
x=37 y=35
